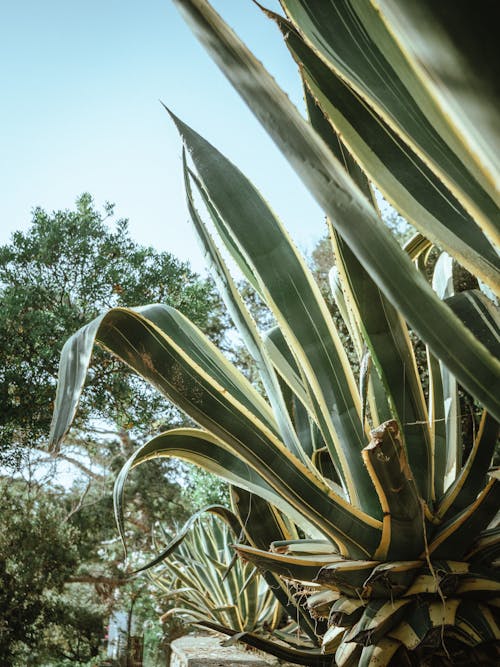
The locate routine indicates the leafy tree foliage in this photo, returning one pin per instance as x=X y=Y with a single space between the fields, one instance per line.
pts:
x=63 y=271
x=37 y=554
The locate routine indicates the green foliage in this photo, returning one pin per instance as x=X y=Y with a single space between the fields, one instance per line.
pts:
x=37 y=554
x=67 y=267
x=201 y=581
x=205 y=489
x=64 y=270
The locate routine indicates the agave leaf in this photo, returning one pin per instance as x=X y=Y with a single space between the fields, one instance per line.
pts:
x=348 y=654
x=383 y=331
x=310 y=657
x=351 y=215
x=241 y=317
x=336 y=287
x=448 y=540
x=379 y=654
x=299 y=310
x=169 y=351
x=442 y=283
x=262 y=523
x=378 y=618
x=303 y=546
x=403 y=525
x=437 y=421
x=401 y=175
x=298 y=568
x=210 y=453
x=354 y=42
x=472 y=477
x=221 y=229
x=142 y=336
x=468 y=99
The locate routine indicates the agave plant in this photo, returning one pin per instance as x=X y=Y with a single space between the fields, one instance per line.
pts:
x=394 y=505
x=205 y=583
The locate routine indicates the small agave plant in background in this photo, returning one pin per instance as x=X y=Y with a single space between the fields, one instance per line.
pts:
x=199 y=575
x=375 y=503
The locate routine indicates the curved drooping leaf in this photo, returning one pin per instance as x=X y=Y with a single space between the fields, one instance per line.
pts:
x=129 y=332
x=170 y=352
x=448 y=339
x=311 y=657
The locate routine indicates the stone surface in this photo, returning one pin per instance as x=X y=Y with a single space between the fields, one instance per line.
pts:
x=193 y=651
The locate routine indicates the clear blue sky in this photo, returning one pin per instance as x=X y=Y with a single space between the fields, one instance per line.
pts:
x=80 y=82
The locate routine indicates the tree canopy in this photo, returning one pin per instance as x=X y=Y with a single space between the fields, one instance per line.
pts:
x=61 y=563
x=63 y=271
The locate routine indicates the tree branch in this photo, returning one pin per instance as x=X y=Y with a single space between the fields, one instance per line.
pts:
x=79 y=504
x=78 y=464
x=97 y=579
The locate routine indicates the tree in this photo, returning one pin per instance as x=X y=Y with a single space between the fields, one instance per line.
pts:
x=37 y=555
x=68 y=267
